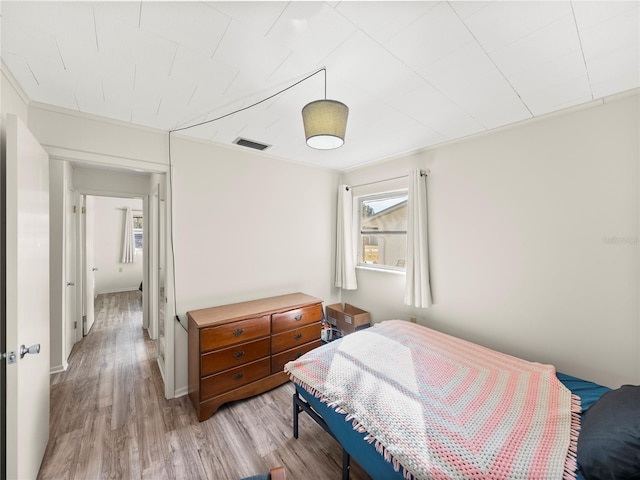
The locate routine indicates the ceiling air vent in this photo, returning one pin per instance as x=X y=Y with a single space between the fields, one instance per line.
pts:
x=244 y=142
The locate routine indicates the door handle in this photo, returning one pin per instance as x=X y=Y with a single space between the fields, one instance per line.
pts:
x=94 y=269
x=71 y=284
x=33 y=349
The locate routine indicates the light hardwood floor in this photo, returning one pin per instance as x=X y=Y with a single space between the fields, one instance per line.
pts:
x=110 y=420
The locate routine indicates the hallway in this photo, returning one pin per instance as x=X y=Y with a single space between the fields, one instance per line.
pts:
x=104 y=404
x=109 y=418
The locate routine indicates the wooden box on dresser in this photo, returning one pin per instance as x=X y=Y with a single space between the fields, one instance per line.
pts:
x=239 y=350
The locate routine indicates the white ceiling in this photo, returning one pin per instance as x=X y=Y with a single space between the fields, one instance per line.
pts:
x=413 y=73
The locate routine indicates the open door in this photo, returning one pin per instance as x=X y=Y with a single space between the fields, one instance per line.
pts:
x=71 y=317
x=27 y=301
x=89 y=264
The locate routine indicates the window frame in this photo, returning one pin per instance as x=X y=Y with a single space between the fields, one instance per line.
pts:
x=358 y=202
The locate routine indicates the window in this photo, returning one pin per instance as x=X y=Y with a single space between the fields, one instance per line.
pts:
x=383 y=230
x=137 y=229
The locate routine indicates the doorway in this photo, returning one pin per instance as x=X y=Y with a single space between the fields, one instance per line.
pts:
x=105 y=268
x=104 y=194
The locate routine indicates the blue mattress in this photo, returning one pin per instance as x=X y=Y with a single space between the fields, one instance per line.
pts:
x=377 y=467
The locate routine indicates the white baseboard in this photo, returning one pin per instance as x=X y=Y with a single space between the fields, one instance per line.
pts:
x=181 y=392
x=161 y=368
x=118 y=290
x=59 y=368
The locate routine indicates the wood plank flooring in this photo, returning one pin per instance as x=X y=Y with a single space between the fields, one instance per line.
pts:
x=110 y=420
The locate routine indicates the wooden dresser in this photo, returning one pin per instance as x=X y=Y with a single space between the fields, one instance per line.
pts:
x=239 y=350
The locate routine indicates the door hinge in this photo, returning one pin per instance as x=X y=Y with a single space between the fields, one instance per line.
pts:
x=75 y=209
x=84 y=320
x=75 y=325
x=10 y=356
x=84 y=209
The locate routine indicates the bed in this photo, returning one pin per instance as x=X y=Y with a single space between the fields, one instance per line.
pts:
x=365 y=377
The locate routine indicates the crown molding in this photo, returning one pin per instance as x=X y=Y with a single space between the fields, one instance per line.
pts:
x=6 y=72
x=598 y=102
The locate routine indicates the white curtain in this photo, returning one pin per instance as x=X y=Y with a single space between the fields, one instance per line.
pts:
x=417 y=288
x=345 y=258
x=128 y=239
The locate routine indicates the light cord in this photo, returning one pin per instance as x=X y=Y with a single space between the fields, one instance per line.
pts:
x=170 y=187
x=323 y=69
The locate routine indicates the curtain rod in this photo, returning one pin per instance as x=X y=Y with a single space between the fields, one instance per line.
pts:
x=423 y=173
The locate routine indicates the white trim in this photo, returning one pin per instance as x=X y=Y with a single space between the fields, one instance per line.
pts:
x=146 y=252
x=90 y=116
x=79 y=218
x=598 y=102
x=181 y=392
x=59 y=368
x=14 y=83
x=380 y=269
x=91 y=158
x=357 y=227
x=120 y=290
x=622 y=95
x=161 y=368
x=151 y=243
x=170 y=307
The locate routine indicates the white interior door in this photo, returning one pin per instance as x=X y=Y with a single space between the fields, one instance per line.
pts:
x=89 y=263
x=27 y=300
x=70 y=322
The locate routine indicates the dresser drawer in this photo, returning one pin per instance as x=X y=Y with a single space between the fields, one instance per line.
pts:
x=231 y=333
x=281 y=322
x=293 y=338
x=278 y=361
x=234 y=378
x=230 y=357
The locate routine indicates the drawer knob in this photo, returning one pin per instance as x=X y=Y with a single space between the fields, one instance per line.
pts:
x=298 y=336
x=237 y=332
x=298 y=317
x=238 y=354
x=238 y=376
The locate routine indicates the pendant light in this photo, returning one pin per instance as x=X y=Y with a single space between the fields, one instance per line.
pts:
x=325 y=122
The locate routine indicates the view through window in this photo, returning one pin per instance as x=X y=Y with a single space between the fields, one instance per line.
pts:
x=137 y=229
x=383 y=230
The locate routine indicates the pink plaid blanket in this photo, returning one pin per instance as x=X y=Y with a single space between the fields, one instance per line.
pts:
x=443 y=408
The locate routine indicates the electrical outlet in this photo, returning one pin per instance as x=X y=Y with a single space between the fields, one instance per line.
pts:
x=412 y=318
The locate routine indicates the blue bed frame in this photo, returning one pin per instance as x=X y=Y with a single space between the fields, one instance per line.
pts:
x=354 y=445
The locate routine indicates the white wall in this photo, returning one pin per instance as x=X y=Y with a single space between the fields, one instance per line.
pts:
x=247 y=226
x=99 y=182
x=533 y=232
x=112 y=275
